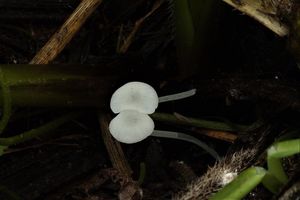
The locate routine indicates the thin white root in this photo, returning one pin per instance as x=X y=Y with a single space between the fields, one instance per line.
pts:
x=187 y=138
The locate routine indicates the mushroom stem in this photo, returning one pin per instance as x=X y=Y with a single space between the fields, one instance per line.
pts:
x=177 y=96
x=187 y=138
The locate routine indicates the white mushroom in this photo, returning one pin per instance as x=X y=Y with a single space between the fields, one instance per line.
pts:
x=134 y=101
x=134 y=96
x=131 y=126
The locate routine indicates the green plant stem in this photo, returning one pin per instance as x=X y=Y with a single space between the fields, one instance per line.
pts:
x=284 y=148
x=184 y=24
x=276 y=169
x=23 y=75
x=188 y=121
x=57 y=85
x=6 y=99
x=142 y=174
x=193 y=27
x=241 y=185
x=271 y=183
x=40 y=131
x=185 y=38
x=45 y=97
x=280 y=150
x=202 y=14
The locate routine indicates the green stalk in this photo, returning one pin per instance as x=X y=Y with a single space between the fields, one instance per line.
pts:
x=40 y=131
x=46 y=97
x=184 y=24
x=278 y=151
x=185 y=38
x=284 y=148
x=193 y=22
x=164 y=117
x=6 y=99
x=241 y=185
x=271 y=183
x=57 y=85
x=275 y=168
x=142 y=174
x=202 y=13
x=24 y=75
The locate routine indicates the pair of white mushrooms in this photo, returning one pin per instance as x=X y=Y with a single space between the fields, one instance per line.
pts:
x=133 y=102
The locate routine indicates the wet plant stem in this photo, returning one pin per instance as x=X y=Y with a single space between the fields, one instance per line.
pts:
x=40 y=131
x=55 y=85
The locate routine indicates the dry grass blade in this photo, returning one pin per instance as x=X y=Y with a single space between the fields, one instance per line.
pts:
x=254 y=9
x=114 y=149
x=129 y=39
x=129 y=187
x=220 y=135
x=63 y=36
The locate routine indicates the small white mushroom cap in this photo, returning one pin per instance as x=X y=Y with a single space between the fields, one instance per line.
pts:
x=131 y=126
x=134 y=96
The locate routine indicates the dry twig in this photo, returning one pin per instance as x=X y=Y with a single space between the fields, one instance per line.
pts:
x=220 y=135
x=128 y=41
x=254 y=9
x=129 y=187
x=63 y=36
